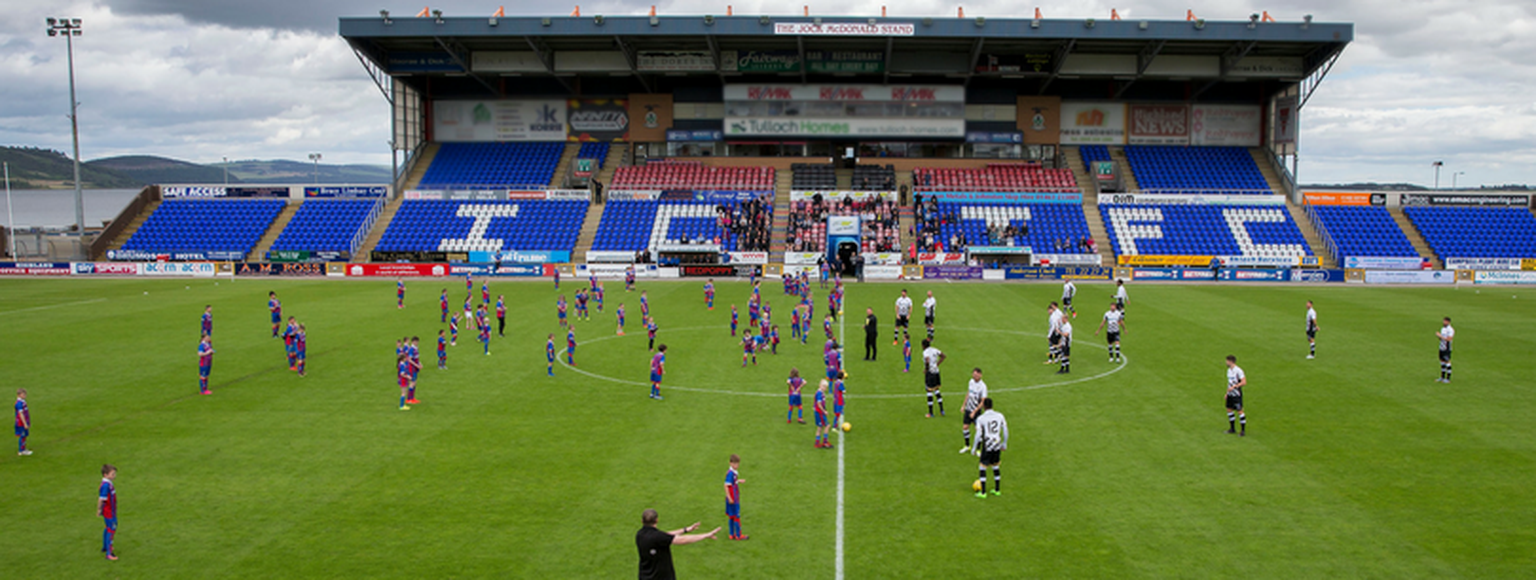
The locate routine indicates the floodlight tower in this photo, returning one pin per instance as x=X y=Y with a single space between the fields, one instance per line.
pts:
x=69 y=28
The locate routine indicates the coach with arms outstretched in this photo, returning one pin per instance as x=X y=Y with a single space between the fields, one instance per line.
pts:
x=655 y=546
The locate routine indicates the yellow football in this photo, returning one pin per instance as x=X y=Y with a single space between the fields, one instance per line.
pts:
x=847 y=426
x=976 y=485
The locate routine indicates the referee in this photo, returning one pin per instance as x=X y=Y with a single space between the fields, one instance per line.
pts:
x=871 y=332
x=655 y=546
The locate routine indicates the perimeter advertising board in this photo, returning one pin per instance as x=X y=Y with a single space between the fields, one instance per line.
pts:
x=1224 y=125
x=194 y=269
x=35 y=269
x=1158 y=125
x=1409 y=277
x=398 y=270
x=107 y=268
x=951 y=272
x=279 y=269
x=1482 y=263
x=1384 y=262
x=1523 y=277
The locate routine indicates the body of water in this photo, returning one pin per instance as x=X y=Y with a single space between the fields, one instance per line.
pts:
x=50 y=208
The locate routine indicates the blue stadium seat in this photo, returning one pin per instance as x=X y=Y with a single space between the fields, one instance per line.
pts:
x=629 y=226
x=594 y=150
x=1166 y=169
x=493 y=165
x=457 y=225
x=1203 y=230
x=625 y=226
x=324 y=225
x=1092 y=153
x=206 y=225
x=1049 y=224
x=1361 y=231
x=1476 y=232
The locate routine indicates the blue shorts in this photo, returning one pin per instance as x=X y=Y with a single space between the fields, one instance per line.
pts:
x=655 y=377
x=277 y=318
x=111 y=523
x=821 y=419
x=203 y=371
x=733 y=509
x=290 y=348
x=831 y=374
x=302 y=351
x=22 y=431
x=794 y=400
x=837 y=409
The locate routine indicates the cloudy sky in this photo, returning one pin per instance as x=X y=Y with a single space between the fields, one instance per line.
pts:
x=207 y=79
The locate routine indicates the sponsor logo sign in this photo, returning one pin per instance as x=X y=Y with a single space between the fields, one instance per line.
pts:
x=196 y=269
x=1258 y=275
x=398 y=270
x=851 y=92
x=1159 y=125
x=598 y=119
x=1153 y=260
x=1155 y=274
x=749 y=257
x=1344 y=198
x=1092 y=123
x=844 y=29
x=1201 y=199
x=674 y=60
x=1482 y=263
x=1528 y=264
x=1317 y=276
x=1057 y=273
x=801 y=258
x=1068 y=259
x=1479 y=200
x=422 y=62
x=951 y=272
x=709 y=270
x=1409 y=277
x=882 y=272
x=278 y=269
x=347 y=191
x=932 y=258
x=1196 y=275
x=843 y=225
x=807 y=195
x=610 y=256
x=1224 y=125
x=1384 y=262
x=106 y=268
x=695 y=135
x=999 y=250
x=1007 y=196
x=1005 y=137
x=1524 y=277
x=845 y=127
x=500 y=120
x=35 y=269
x=192 y=191
x=1260 y=261
x=1285 y=120
x=424 y=194
x=880 y=259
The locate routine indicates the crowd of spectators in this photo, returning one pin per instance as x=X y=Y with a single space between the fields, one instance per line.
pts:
x=880 y=224
x=750 y=222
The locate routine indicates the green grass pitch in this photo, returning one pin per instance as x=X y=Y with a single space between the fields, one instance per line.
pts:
x=1357 y=464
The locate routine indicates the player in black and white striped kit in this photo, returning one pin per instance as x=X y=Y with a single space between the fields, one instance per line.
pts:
x=1311 y=331
x=1064 y=347
x=1053 y=338
x=1120 y=296
x=1446 y=336
x=903 y=317
x=991 y=441
x=1113 y=324
x=1236 y=380
x=932 y=358
x=975 y=393
x=1068 y=292
x=929 y=306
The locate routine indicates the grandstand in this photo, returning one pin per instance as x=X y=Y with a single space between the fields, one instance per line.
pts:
x=1354 y=231
x=484 y=226
x=493 y=166
x=1160 y=169
x=214 y=228
x=1265 y=231
x=994 y=177
x=1045 y=228
x=1476 y=232
x=693 y=175
x=323 y=225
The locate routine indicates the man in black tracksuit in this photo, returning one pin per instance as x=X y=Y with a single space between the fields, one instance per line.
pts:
x=871 y=329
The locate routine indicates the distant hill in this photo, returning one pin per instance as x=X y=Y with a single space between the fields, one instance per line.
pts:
x=34 y=168
x=283 y=171
x=147 y=169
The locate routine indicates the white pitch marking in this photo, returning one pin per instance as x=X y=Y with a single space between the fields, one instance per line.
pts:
x=1109 y=372
x=841 y=446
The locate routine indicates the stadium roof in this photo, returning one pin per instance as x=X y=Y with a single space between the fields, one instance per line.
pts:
x=1090 y=59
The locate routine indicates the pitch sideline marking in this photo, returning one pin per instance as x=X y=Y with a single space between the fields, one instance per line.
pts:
x=842 y=445
x=52 y=306
x=1126 y=361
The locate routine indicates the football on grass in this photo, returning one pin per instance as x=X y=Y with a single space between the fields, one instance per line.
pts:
x=847 y=426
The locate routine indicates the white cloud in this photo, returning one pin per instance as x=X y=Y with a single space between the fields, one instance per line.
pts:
x=1424 y=80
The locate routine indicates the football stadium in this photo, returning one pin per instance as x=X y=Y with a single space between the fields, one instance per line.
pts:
x=633 y=263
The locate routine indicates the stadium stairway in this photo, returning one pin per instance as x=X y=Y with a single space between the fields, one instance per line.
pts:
x=616 y=154
x=1090 y=205
x=377 y=233
x=259 y=253
x=1310 y=233
x=1123 y=163
x=557 y=180
x=1414 y=237
x=844 y=179
x=588 y=232
x=776 y=245
x=133 y=226
x=418 y=168
x=1267 y=168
